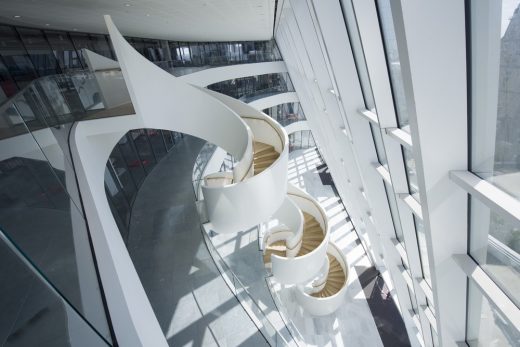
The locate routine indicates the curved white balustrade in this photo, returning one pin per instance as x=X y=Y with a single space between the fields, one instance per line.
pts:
x=250 y=200
x=289 y=228
x=321 y=306
x=291 y=268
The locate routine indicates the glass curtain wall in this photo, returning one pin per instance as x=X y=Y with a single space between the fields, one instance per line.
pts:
x=494 y=236
x=287 y=113
x=28 y=53
x=131 y=160
x=393 y=62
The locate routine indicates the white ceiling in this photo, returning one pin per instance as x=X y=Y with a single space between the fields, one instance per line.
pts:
x=190 y=20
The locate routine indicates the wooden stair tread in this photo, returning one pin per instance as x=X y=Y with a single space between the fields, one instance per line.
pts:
x=335 y=279
x=278 y=248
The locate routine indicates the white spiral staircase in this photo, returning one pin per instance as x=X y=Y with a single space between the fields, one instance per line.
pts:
x=297 y=249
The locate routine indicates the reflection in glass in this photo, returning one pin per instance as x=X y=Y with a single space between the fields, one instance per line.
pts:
x=423 y=251
x=15 y=57
x=495 y=246
x=495 y=124
x=33 y=313
x=39 y=51
x=64 y=50
x=393 y=62
x=411 y=173
x=41 y=218
x=487 y=326
x=131 y=160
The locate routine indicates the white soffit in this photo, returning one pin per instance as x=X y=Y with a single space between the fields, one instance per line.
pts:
x=182 y=20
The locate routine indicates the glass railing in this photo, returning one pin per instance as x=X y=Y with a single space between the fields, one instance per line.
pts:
x=275 y=336
x=58 y=99
x=201 y=162
x=35 y=313
x=41 y=212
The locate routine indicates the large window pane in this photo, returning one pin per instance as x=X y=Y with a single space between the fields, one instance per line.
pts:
x=393 y=62
x=495 y=76
x=495 y=245
x=144 y=149
x=411 y=173
x=64 y=50
x=423 y=251
x=15 y=57
x=39 y=51
x=394 y=211
x=133 y=162
x=487 y=326
x=380 y=146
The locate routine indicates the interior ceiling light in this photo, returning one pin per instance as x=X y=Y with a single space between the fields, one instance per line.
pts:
x=17 y=16
x=127 y=5
x=47 y=24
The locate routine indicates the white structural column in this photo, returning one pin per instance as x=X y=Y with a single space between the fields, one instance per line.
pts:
x=438 y=120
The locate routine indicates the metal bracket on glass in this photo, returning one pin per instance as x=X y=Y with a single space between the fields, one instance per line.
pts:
x=413 y=204
x=400 y=136
x=369 y=115
x=489 y=288
x=383 y=172
x=494 y=197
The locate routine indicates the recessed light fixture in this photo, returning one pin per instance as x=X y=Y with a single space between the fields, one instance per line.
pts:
x=147 y=15
x=17 y=16
x=47 y=24
x=127 y=5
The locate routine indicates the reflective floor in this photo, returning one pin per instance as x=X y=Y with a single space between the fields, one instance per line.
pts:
x=193 y=304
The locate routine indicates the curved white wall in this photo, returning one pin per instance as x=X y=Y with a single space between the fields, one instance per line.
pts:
x=223 y=73
x=297 y=126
